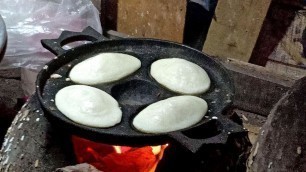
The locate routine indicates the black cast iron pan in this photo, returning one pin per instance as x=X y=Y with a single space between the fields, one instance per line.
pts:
x=137 y=91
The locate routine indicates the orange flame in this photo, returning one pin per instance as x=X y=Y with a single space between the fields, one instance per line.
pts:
x=108 y=158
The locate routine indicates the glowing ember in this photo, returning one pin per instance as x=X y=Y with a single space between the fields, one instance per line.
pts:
x=108 y=158
x=117 y=149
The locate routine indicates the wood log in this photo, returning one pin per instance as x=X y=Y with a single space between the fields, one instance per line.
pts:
x=256 y=88
x=79 y=168
x=282 y=143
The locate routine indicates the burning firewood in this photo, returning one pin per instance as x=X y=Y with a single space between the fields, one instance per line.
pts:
x=111 y=158
x=78 y=168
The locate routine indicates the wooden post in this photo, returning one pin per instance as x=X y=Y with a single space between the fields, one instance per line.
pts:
x=235 y=28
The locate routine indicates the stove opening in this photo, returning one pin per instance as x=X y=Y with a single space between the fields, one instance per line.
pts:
x=114 y=158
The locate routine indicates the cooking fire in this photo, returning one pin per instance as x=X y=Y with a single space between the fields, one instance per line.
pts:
x=113 y=158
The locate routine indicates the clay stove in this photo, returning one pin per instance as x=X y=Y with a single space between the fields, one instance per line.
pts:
x=33 y=144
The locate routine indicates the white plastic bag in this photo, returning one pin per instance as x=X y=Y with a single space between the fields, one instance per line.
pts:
x=29 y=21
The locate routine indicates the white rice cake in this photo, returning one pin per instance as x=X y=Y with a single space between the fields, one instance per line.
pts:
x=171 y=114
x=180 y=76
x=104 y=68
x=88 y=106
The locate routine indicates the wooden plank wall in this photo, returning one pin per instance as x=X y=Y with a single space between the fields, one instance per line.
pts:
x=163 y=19
x=235 y=28
x=281 y=43
x=232 y=34
x=263 y=32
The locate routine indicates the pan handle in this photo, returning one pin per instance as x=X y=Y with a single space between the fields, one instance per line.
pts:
x=55 y=45
x=195 y=144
